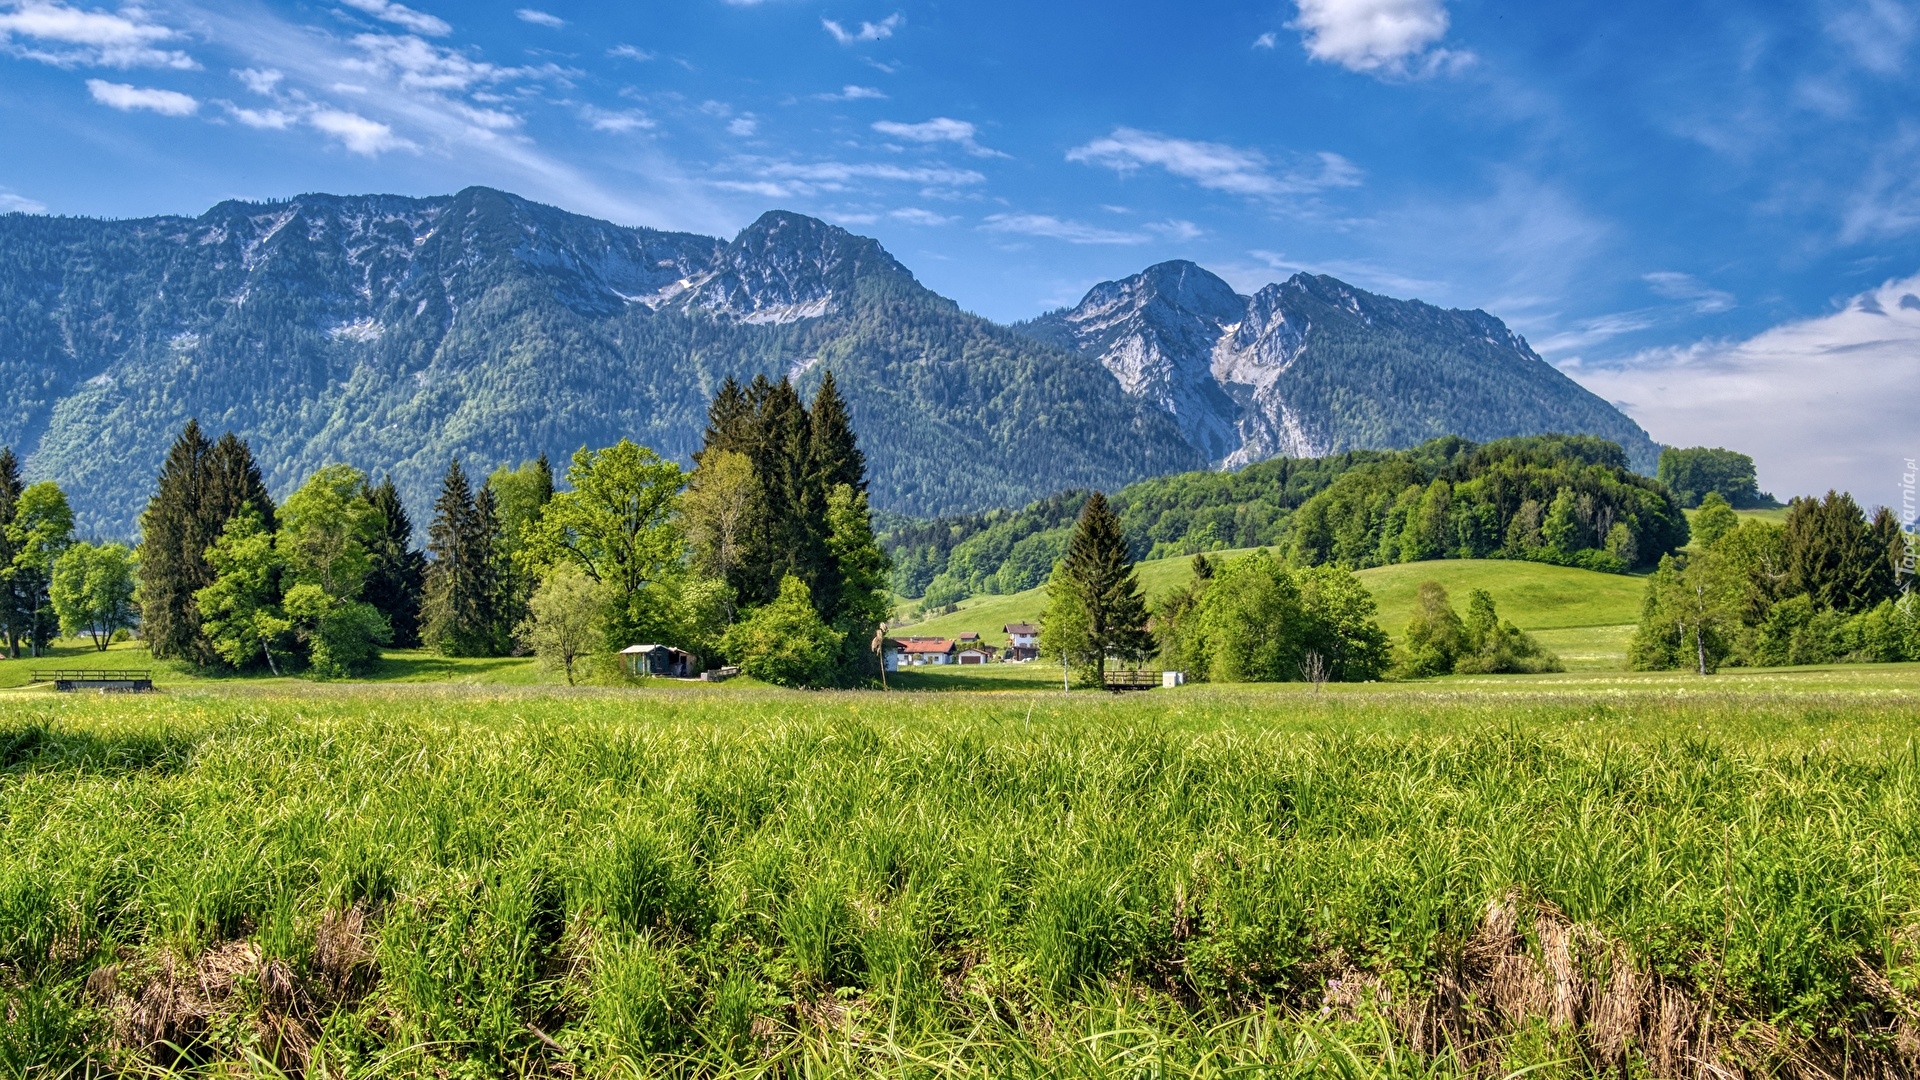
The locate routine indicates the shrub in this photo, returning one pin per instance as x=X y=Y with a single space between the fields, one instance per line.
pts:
x=785 y=642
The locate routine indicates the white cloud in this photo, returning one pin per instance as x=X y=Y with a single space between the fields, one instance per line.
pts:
x=618 y=122
x=20 y=204
x=127 y=98
x=402 y=16
x=786 y=179
x=851 y=92
x=1049 y=227
x=1820 y=403
x=937 y=130
x=1373 y=35
x=540 y=18
x=1265 y=41
x=1215 y=165
x=260 y=80
x=629 y=52
x=1887 y=202
x=265 y=119
x=54 y=33
x=742 y=126
x=1703 y=298
x=357 y=133
x=879 y=31
x=417 y=64
x=913 y=215
x=1176 y=229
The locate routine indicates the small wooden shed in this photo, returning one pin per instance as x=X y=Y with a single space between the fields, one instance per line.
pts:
x=663 y=661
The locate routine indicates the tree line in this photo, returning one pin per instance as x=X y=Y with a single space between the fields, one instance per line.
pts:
x=763 y=555
x=51 y=585
x=1823 y=586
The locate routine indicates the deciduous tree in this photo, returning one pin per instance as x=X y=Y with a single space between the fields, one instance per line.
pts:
x=93 y=591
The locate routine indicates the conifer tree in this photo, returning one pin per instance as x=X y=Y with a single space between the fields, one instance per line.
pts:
x=730 y=420
x=457 y=615
x=13 y=611
x=1833 y=556
x=399 y=569
x=174 y=541
x=1094 y=604
x=836 y=454
x=232 y=481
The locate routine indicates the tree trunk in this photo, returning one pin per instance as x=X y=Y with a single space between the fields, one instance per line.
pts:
x=268 y=653
x=1700 y=643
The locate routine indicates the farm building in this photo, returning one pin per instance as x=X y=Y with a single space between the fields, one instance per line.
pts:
x=659 y=660
x=1023 y=641
x=918 y=651
x=975 y=654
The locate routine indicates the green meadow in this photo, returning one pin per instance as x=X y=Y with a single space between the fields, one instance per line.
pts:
x=1584 y=874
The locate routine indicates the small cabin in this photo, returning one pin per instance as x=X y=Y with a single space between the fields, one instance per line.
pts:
x=661 y=661
x=975 y=654
x=1023 y=641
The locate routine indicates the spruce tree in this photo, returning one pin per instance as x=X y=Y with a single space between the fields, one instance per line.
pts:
x=836 y=454
x=1832 y=554
x=1094 y=597
x=497 y=585
x=174 y=541
x=457 y=614
x=15 y=616
x=730 y=420
x=232 y=481
x=394 y=584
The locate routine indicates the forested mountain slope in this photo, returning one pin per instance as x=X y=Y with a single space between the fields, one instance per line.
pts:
x=395 y=333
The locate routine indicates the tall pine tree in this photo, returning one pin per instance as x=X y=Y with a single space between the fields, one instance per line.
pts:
x=232 y=481
x=174 y=541
x=1094 y=605
x=15 y=614
x=836 y=454
x=458 y=612
x=398 y=575
x=731 y=422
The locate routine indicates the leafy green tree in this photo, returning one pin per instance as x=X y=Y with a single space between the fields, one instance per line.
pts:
x=564 y=619
x=240 y=611
x=41 y=530
x=717 y=509
x=396 y=574
x=1494 y=646
x=1694 y=472
x=1561 y=526
x=327 y=532
x=785 y=642
x=1690 y=617
x=93 y=591
x=202 y=486
x=342 y=637
x=1435 y=638
x=1715 y=519
x=457 y=611
x=617 y=525
x=1342 y=624
x=519 y=497
x=1254 y=623
x=1094 y=606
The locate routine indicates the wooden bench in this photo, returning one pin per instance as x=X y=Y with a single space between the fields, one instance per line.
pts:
x=67 y=680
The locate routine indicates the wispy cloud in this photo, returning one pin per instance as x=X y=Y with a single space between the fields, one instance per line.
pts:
x=850 y=92
x=743 y=125
x=402 y=16
x=867 y=31
x=54 y=33
x=1378 y=36
x=938 y=130
x=264 y=119
x=1048 y=227
x=1878 y=33
x=20 y=204
x=1265 y=41
x=128 y=98
x=1216 y=166
x=913 y=215
x=1827 y=389
x=788 y=179
x=629 y=52
x=1702 y=298
x=619 y=122
x=540 y=18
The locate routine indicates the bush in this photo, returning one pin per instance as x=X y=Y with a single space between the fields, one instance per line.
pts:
x=785 y=642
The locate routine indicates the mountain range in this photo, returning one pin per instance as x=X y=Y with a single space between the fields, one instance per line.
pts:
x=397 y=333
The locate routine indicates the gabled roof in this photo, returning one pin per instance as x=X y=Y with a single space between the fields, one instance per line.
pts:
x=1019 y=628
x=924 y=644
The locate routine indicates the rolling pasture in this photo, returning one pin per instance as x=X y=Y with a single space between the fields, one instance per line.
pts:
x=1580 y=875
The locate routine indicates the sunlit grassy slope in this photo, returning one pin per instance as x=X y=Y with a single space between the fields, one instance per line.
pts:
x=1534 y=596
x=1621 y=875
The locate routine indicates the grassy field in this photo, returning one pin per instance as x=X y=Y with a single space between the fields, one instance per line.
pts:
x=1590 y=614
x=1580 y=874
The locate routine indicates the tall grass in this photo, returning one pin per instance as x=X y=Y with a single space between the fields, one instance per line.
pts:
x=466 y=884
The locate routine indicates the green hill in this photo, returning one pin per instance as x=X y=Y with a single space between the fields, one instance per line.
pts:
x=1553 y=600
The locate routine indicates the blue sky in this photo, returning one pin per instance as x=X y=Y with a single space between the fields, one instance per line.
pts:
x=1709 y=212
